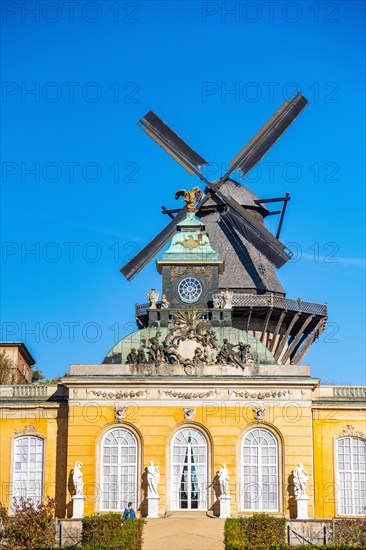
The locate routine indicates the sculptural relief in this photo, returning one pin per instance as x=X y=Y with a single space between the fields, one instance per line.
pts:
x=189 y=414
x=259 y=413
x=191 y=342
x=120 y=414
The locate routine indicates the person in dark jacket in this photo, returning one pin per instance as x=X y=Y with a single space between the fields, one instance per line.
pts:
x=129 y=512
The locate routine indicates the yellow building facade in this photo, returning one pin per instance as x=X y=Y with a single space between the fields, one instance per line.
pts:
x=205 y=407
x=305 y=422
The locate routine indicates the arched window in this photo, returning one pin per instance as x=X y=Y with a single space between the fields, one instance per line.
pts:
x=260 y=471
x=351 y=452
x=119 y=469
x=28 y=467
x=189 y=470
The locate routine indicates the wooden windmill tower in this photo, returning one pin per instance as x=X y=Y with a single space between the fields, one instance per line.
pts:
x=233 y=217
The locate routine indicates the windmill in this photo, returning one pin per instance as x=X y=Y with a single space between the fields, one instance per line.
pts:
x=238 y=216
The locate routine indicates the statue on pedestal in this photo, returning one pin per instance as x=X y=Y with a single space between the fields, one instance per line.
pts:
x=224 y=480
x=153 y=476
x=301 y=479
x=77 y=478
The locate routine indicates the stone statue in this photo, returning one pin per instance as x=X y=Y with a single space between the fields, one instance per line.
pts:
x=132 y=357
x=155 y=348
x=227 y=299
x=153 y=476
x=217 y=300
x=173 y=354
x=153 y=296
x=189 y=197
x=164 y=302
x=227 y=356
x=141 y=357
x=244 y=353
x=77 y=478
x=213 y=339
x=300 y=480
x=224 y=480
x=199 y=357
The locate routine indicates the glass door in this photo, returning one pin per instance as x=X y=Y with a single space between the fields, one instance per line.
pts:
x=189 y=470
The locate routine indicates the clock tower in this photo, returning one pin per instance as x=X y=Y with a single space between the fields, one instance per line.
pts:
x=190 y=271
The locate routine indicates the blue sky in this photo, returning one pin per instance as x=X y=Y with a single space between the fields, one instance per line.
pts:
x=94 y=196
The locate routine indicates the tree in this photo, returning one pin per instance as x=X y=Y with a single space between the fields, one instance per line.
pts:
x=8 y=369
x=37 y=375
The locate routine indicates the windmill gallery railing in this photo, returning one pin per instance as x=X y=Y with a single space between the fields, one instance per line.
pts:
x=267 y=300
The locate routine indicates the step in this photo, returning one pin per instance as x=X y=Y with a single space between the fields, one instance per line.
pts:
x=184 y=531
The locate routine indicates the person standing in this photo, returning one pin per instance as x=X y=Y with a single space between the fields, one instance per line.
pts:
x=129 y=512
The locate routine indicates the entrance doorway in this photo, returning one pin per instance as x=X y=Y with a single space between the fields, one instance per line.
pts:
x=189 y=470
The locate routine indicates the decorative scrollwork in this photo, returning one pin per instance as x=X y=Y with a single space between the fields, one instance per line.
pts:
x=350 y=431
x=130 y=394
x=174 y=394
x=260 y=395
x=27 y=430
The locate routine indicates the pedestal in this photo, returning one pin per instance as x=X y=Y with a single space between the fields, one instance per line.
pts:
x=153 y=506
x=302 y=507
x=225 y=506
x=78 y=506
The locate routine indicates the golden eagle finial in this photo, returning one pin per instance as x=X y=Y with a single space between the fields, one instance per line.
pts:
x=189 y=197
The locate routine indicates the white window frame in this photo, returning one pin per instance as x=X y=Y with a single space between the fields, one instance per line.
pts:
x=121 y=503
x=354 y=483
x=21 y=488
x=244 y=481
x=203 y=484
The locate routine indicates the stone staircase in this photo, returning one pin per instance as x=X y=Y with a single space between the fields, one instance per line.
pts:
x=184 y=531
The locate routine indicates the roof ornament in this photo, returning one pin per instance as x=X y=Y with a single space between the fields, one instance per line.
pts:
x=190 y=197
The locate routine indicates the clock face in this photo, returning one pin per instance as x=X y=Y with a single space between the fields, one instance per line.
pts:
x=189 y=289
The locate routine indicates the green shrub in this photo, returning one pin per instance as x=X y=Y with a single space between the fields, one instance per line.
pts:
x=257 y=532
x=106 y=532
x=350 y=531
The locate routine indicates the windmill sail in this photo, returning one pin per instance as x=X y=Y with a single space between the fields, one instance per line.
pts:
x=267 y=136
x=143 y=257
x=160 y=132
